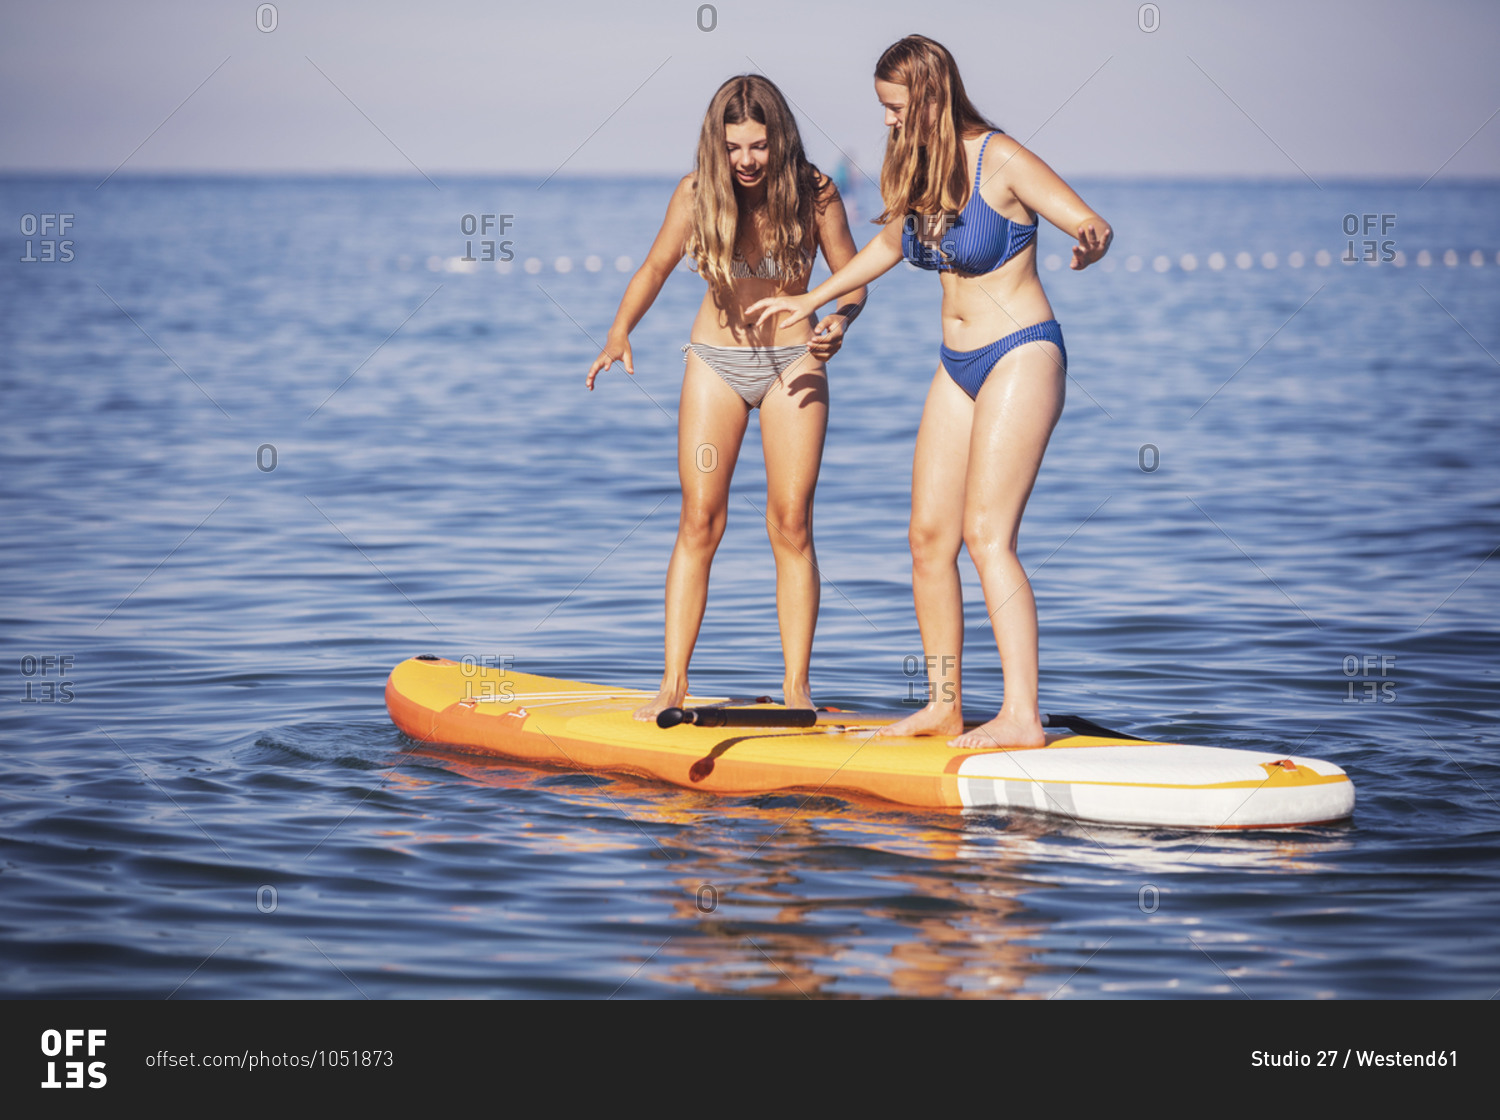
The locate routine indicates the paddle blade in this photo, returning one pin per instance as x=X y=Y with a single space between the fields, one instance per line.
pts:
x=1080 y=726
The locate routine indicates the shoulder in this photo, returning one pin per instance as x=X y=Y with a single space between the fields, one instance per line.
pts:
x=998 y=145
x=1004 y=153
x=683 y=195
x=1010 y=170
x=826 y=194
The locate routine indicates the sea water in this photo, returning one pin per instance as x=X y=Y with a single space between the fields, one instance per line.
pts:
x=265 y=438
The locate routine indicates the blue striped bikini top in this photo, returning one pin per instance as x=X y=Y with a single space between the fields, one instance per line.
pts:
x=980 y=241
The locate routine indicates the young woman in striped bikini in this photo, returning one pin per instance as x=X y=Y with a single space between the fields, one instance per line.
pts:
x=752 y=197
x=962 y=199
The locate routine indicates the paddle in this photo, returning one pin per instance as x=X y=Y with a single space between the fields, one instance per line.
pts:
x=1080 y=726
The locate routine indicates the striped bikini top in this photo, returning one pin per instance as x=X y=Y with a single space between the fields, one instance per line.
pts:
x=979 y=241
x=765 y=270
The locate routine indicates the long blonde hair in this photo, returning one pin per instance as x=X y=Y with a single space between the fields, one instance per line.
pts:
x=924 y=168
x=791 y=185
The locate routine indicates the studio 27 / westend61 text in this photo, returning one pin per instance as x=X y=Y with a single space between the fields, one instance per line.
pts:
x=1341 y=1059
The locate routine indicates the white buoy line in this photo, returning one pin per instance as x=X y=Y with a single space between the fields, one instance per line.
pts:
x=532 y=266
x=1244 y=261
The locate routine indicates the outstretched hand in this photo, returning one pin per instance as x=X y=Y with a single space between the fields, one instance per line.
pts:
x=1094 y=237
x=614 y=351
x=763 y=309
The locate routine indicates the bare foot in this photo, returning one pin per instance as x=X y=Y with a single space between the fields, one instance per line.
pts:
x=1003 y=731
x=934 y=719
x=797 y=697
x=670 y=696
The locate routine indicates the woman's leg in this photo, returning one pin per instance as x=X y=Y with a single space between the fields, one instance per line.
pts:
x=937 y=506
x=1014 y=415
x=711 y=420
x=793 y=422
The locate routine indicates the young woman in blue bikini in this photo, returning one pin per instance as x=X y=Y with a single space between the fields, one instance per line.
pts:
x=752 y=196
x=961 y=198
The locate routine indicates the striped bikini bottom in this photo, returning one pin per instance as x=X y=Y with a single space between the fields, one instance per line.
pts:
x=750 y=371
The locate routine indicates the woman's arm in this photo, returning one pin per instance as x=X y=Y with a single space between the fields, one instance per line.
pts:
x=838 y=250
x=873 y=261
x=1041 y=190
x=646 y=284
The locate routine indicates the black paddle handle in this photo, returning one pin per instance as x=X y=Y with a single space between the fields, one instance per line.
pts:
x=738 y=717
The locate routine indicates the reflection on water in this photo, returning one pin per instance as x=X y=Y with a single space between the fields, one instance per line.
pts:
x=838 y=898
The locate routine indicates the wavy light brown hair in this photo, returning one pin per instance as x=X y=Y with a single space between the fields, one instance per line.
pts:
x=791 y=185
x=924 y=168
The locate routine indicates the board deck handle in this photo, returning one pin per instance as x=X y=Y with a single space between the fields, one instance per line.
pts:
x=738 y=717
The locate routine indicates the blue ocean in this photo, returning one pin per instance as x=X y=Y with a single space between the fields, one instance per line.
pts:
x=264 y=438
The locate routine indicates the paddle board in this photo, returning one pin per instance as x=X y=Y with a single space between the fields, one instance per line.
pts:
x=1101 y=778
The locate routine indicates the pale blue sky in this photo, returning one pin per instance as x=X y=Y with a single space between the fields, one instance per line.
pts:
x=458 y=86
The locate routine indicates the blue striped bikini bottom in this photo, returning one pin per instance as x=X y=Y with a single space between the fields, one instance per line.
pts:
x=969 y=368
x=750 y=371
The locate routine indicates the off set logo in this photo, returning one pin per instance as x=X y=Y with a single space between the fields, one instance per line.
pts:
x=65 y=1044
